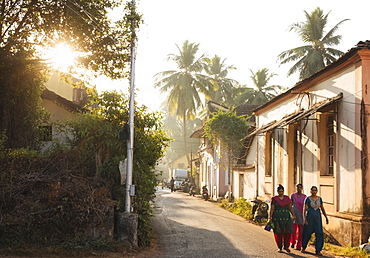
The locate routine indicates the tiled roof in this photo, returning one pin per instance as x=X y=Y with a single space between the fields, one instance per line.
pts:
x=362 y=44
x=51 y=95
x=245 y=109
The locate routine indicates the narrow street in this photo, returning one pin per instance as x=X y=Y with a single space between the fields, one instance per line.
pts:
x=188 y=226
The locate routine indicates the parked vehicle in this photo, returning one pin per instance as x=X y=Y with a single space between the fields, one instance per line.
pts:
x=180 y=175
x=193 y=190
x=260 y=211
x=185 y=186
x=205 y=194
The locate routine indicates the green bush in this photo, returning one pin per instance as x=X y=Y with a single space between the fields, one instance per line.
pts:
x=240 y=207
x=224 y=203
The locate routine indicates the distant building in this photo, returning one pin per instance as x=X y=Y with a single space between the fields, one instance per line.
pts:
x=63 y=102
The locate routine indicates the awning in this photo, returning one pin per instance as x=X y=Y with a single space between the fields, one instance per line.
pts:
x=298 y=115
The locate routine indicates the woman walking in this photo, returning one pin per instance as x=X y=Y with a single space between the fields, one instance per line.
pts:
x=281 y=208
x=313 y=222
x=298 y=199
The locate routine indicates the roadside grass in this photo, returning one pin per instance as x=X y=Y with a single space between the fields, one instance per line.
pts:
x=243 y=208
x=347 y=251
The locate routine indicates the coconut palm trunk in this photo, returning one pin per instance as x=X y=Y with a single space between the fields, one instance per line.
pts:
x=184 y=120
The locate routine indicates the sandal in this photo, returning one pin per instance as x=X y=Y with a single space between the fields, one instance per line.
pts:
x=287 y=249
x=303 y=251
x=319 y=254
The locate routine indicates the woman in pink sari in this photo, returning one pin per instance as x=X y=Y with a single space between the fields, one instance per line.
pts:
x=298 y=199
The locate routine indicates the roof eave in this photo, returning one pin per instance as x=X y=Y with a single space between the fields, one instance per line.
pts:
x=345 y=60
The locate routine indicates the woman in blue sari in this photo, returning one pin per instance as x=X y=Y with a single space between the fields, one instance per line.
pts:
x=313 y=222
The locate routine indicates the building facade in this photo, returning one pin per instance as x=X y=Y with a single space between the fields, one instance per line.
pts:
x=316 y=133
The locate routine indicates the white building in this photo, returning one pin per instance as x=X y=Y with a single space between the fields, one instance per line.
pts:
x=317 y=133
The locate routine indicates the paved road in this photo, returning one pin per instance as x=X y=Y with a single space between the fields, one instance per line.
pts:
x=191 y=227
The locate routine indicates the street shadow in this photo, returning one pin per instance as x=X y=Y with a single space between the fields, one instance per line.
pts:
x=179 y=240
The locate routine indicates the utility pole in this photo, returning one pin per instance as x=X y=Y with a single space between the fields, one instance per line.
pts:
x=130 y=142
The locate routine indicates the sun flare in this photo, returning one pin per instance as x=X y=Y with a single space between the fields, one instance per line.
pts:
x=61 y=56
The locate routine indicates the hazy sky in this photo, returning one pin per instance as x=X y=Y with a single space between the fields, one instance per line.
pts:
x=249 y=34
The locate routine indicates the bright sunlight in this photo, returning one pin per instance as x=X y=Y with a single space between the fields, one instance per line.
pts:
x=60 y=57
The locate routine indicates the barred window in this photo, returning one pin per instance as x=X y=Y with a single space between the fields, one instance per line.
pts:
x=330 y=141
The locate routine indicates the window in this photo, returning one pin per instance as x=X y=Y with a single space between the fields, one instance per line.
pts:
x=75 y=94
x=46 y=133
x=326 y=140
x=268 y=154
x=330 y=140
x=79 y=95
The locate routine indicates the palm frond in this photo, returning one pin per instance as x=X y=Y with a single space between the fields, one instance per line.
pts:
x=314 y=56
x=330 y=33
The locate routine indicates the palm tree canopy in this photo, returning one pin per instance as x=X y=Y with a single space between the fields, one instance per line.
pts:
x=317 y=53
x=221 y=86
x=184 y=84
x=262 y=91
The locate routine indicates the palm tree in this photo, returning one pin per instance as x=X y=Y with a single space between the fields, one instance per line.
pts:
x=317 y=53
x=175 y=127
x=262 y=92
x=185 y=84
x=222 y=88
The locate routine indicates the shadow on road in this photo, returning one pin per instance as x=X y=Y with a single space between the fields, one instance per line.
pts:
x=179 y=240
x=179 y=234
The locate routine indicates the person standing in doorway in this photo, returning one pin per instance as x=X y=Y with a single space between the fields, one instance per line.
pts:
x=282 y=215
x=172 y=184
x=313 y=222
x=298 y=199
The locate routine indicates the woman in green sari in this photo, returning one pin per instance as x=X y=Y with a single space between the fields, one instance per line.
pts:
x=281 y=214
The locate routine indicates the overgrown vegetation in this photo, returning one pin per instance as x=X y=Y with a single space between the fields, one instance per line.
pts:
x=240 y=207
x=47 y=200
x=226 y=129
x=70 y=196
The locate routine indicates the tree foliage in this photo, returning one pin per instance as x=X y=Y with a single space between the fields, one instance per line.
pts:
x=175 y=129
x=318 y=51
x=226 y=128
x=20 y=97
x=262 y=92
x=99 y=130
x=184 y=85
x=221 y=90
x=104 y=46
x=27 y=27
